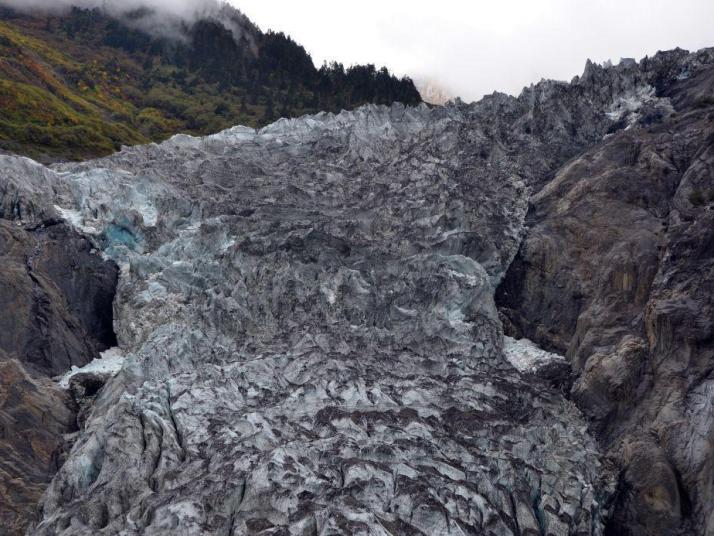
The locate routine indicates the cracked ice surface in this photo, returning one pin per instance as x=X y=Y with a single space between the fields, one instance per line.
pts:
x=310 y=339
x=630 y=105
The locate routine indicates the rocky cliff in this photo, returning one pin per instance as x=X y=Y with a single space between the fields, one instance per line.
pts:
x=432 y=92
x=307 y=320
x=56 y=297
x=616 y=273
x=35 y=416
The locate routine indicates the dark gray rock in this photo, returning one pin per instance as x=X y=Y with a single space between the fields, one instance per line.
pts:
x=84 y=388
x=56 y=294
x=617 y=273
x=35 y=416
x=56 y=299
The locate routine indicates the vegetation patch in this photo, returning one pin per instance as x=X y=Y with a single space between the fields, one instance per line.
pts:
x=81 y=85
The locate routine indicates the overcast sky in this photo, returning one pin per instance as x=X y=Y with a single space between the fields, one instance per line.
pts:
x=478 y=46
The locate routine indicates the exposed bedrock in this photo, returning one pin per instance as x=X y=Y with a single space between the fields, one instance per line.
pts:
x=56 y=296
x=35 y=415
x=617 y=273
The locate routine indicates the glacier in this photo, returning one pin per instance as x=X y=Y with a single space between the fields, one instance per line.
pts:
x=300 y=354
x=307 y=325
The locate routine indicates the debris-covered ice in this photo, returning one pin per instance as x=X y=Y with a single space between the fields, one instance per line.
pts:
x=315 y=343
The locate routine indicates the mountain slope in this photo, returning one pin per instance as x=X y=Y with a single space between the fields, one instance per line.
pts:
x=306 y=316
x=309 y=328
x=81 y=84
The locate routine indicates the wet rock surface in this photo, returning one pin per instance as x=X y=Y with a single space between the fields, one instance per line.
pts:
x=35 y=415
x=310 y=338
x=56 y=294
x=56 y=300
x=56 y=311
x=617 y=273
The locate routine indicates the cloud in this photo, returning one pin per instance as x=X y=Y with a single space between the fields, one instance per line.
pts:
x=183 y=9
x=164 y=18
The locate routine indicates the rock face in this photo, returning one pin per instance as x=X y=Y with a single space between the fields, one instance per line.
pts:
x=310 y=339
x=34 y=416
x=432 y=92
x=57 y=297
x=617 y=273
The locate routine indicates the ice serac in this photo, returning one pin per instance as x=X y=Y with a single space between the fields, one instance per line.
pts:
x=307 y=320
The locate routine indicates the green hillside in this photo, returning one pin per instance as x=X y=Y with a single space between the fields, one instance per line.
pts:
x=82 y=84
